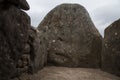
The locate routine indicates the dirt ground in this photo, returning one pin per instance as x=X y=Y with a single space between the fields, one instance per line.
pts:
x=64 y=73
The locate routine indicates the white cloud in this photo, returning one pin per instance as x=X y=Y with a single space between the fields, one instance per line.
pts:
x=105 y=15
x=102 y=12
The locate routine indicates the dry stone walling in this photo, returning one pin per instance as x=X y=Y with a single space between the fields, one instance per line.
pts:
x=37 y=50
x=111 y=49
x=71 y=38
x=14 y=26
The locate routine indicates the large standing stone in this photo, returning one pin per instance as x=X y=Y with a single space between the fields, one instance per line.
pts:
x=14 y=26
x=111 y=49
x=71 y=37
x=37 y=50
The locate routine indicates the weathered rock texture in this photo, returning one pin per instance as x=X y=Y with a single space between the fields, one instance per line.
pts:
x=111 y=49
x=62 y=73
x=37 y=50
x=14 y=26
x=71 y=38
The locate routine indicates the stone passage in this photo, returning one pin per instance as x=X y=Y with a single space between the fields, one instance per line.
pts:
x=71 y=37
x=111 y=49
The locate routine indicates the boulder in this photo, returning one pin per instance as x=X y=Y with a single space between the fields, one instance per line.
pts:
x=111 y=49
x=71 y=38
x=14 y=26
x=37 y=50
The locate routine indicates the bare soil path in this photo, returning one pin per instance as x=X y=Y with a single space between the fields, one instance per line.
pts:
x=64 y=73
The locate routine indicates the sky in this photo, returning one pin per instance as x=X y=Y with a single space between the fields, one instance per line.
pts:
x=102 y=12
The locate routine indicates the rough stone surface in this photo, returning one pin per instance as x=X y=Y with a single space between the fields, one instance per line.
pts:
x=37 y=50
x=71 y=38
x=111 y=49
x=14 y=26
x=7 y=69
x=62 y=73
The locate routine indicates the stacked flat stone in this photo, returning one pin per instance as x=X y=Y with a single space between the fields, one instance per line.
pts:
x=21 y=4
x=37 y=50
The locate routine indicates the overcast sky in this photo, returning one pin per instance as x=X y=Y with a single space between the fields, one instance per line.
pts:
x=102 y=12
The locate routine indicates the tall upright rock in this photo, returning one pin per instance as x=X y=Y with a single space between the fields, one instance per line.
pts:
x=71 y=37
x=111 y=49
x=14 y=26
